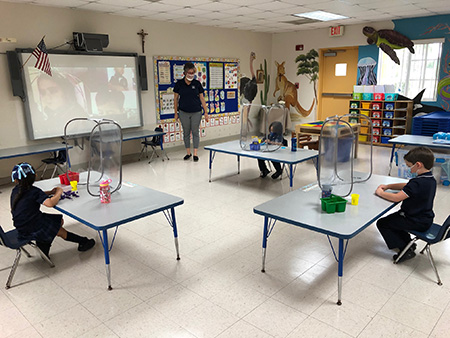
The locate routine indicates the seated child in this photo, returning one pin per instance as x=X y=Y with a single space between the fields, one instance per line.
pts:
x=30 y=222
x=416 y=211
x=275 y=137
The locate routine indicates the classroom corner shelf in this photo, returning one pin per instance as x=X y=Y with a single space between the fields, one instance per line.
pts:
x=389 y=119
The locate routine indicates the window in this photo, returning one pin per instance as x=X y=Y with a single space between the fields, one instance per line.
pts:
x=340 y=69
x=416 y=71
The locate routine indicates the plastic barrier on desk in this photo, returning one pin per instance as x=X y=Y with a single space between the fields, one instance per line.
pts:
x=262 y=127
x=336 y=153
x=104 y=151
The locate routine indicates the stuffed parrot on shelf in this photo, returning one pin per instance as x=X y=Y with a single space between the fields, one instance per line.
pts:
x=388 y=40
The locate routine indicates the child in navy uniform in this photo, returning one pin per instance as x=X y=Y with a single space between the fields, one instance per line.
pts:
x=416 y=211
x=275 y=137
x=30 y=222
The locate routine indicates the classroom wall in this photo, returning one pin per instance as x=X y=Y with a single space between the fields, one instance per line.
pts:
x=28 y=23
x=283 y=49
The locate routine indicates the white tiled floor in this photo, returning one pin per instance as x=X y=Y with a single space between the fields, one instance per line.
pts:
x=217 y=289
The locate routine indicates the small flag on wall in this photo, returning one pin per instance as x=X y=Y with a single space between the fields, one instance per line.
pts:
x=41 y=54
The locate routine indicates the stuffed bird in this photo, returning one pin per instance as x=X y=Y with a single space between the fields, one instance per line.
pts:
x=388 y=40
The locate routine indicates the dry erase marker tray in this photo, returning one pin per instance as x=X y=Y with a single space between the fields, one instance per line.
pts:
x=333 y=204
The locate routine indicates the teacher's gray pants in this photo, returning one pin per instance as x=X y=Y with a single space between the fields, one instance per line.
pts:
x=190 y=123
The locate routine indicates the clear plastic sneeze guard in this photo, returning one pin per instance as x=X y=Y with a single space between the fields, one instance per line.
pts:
x=336 y=154
x=104 y=151
x=262 y=127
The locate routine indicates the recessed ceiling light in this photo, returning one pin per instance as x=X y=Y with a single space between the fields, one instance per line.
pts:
x=321 y=15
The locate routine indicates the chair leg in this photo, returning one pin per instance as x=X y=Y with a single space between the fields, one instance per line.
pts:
x=43 y=172
x=430 y=257
x=400 y=255
x=13 y=268
x=142 y=150
x=26 y=252
x=54 y=171
x=43 y=256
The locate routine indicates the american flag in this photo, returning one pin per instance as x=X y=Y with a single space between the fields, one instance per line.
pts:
x=41 y=54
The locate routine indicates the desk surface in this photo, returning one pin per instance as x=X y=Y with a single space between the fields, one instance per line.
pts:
x=283 y=155
x=303 y=208
x=31 y=150
x=131 y=202
x=417 y=140
x=138 y=134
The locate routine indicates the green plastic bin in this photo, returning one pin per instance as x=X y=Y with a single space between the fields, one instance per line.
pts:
x=333 y=204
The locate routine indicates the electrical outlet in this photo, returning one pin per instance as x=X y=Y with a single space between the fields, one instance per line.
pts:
x=10 y=40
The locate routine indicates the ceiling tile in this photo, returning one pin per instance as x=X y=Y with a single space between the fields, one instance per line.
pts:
x=189 y=11
x=93 y=6
x=185 y=3
x=124 y=3
x=242 y=10
x=273 y=5
x=242 y=2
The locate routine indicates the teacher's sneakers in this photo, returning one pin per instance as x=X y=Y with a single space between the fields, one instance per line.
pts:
x=187 y=157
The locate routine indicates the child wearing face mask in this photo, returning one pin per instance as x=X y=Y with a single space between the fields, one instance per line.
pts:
x=417 y=196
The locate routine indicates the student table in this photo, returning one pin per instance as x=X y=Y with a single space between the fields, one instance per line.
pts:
x=129 y=203
x=308 y=214
x=414 y=140
x=31 y=150
x=282 y=155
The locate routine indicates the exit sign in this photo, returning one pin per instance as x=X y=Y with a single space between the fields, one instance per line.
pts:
x=337 y=31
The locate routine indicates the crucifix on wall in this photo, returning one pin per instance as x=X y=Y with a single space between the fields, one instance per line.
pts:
x=142 y=34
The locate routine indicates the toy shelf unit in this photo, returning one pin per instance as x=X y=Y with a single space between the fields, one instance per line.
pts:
x=389 y=119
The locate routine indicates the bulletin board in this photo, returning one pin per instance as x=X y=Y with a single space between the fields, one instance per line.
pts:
x=218 y=76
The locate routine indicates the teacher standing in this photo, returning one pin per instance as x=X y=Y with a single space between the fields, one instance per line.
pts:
x=189 y=101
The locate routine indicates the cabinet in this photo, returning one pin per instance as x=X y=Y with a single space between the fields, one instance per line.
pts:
x=389 y=119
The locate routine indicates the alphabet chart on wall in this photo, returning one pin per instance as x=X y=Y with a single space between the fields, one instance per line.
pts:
x=218 y=76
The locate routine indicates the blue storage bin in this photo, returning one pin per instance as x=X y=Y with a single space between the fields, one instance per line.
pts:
x=389 y=114
x=428 y=125
x=390 y=96
x=367 y=96
x=385 y=139
x=387 y=131
x=386 y=123
x=389 y=106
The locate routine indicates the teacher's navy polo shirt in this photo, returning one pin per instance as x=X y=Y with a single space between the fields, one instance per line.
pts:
x=419 y=204
x=189 y=101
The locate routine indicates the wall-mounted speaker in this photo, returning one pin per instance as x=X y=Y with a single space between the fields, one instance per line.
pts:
x=15 y=72
x=142 y=68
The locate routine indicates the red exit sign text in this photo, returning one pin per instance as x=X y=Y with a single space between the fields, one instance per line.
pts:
x=337 y=31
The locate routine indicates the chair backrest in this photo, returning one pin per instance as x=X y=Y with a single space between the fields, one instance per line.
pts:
x=444 y=232
x=157 y=139
x=62 y=156
x=4 y=239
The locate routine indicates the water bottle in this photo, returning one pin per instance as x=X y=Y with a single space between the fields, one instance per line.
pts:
x=105 y=191
x=293 y=142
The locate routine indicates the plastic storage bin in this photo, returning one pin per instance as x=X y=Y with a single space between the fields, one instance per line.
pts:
x=354 y=104
x=387 y=131
x=73 y=176
x=376 y=139
x=389 y=114
x=357 y=96
x=385 y=139
x=376 y=114
x=376 y=123
x=367 y=96
x=431 y=123
x=333 y=204
x=376 y=131
x=376 y=105
x=389 y=106
x=378 y=96
x=390 y=97
x=386 y=123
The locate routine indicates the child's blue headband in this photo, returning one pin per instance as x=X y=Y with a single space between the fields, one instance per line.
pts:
x=21 y=170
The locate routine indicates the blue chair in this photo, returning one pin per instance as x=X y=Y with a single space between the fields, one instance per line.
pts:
x=154 y=143
x=10 y=240
x=435 y=234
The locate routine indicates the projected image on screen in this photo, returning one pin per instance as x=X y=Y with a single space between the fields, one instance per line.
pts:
x=95 y=86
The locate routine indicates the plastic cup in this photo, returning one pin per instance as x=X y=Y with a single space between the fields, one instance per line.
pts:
x=74 y=185
x=355 y=199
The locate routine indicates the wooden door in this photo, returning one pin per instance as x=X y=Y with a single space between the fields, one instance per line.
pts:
x=335 y=85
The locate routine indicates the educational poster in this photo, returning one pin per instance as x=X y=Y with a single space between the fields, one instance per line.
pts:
x=219 y=78
x=164 y=72
x=216 y=75
x=231 y=76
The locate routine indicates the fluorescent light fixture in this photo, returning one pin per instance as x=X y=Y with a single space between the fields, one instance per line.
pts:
x=321 y=16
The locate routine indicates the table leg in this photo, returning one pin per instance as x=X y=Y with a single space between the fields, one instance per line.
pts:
x=239 y=164
x=340 y=270
x=175 y=232
x=264 y=244
x=106 y=251
x=392 y=157
x=291 y=177
x=210 y=164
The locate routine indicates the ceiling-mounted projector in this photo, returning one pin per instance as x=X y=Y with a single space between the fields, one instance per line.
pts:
x=90 y=42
